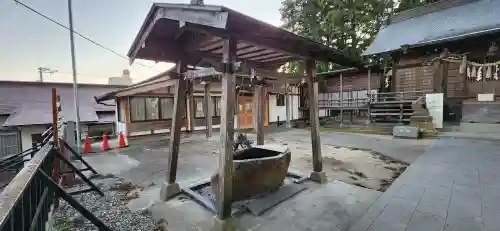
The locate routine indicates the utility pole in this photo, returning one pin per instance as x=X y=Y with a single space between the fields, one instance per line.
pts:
x=75 y=85
x=42 y=70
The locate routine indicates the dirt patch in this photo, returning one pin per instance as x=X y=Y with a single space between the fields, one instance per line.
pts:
x=355 y=166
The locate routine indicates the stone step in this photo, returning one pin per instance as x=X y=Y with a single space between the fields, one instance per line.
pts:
x=479 y=128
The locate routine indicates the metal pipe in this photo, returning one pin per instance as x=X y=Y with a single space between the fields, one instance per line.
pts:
x=75 y=85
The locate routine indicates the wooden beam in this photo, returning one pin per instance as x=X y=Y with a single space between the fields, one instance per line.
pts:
x=260 y=91
x=147 y=87
x=171 y=188
x=312 y=87
x=224 y=196
x=207 y=107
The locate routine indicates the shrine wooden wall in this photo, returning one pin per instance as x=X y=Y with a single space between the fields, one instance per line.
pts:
x=355 y=81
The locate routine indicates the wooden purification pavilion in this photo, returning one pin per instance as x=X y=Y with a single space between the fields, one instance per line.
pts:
x=215 y=36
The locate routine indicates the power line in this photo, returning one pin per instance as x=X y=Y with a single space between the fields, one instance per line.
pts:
x=82 y=36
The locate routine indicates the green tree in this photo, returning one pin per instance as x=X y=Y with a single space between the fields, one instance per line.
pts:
x=346 y=25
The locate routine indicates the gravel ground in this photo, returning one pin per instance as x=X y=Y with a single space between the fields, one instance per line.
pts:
x=111 y=208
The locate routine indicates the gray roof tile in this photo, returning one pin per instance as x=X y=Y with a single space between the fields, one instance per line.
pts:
x=475 y=18
x=30 y=103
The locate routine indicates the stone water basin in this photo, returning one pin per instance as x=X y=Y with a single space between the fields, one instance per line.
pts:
x=257 y=170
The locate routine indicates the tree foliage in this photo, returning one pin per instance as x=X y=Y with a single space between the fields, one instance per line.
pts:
x=346 y=25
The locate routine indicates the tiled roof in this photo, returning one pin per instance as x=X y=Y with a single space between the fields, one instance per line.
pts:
x=471 y=19
x=30 y=102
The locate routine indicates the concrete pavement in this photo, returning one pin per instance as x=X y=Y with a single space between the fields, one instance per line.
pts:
x=453 y=186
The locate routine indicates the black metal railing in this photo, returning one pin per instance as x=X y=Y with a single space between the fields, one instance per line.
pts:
x=12 y=164
x=27 y=200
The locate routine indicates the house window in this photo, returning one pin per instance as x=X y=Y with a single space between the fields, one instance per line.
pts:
x=167 y=108
x=137 y=109
x=280 y=100
x=152 y=109
x=199 y=108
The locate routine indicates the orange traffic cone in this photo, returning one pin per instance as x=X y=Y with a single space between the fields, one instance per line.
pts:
x=87 y=148
x=122 y=140
x=105 y=143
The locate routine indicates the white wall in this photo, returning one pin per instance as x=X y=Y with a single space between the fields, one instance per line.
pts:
x=275 y=111
x=120 y=126
x=27 y=131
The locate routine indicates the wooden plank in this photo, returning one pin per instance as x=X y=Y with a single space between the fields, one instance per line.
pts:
x=224 y=196
x=207 y=106
x=175 y=132
x=312 y=87
x=260 y=91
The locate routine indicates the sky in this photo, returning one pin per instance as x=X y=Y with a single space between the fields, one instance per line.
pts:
x=28 y=41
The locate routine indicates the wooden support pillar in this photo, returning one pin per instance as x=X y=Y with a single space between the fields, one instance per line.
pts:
x=207 y=107
x=192 y=107
x=260 y=92
x=394 y=78
x=224 y=195
x=171 y=187
x=369 y=79
x=312 y=86
x=288 y=107
x=341 y=99
x=369 y=93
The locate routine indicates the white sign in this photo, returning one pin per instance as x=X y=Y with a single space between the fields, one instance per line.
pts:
x=434 y=103
x=485 y=97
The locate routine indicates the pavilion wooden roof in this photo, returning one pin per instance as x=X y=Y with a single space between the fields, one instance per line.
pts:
x=196 y=34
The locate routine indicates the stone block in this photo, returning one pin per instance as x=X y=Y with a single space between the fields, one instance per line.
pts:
x=405 y=132
x=319 y=177
x=169 y=190
x=257 y=170
x=223 y=225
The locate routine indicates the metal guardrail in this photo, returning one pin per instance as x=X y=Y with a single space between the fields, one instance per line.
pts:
x=347 y=103
x=396 y=96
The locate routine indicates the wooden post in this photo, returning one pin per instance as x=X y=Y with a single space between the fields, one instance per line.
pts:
x=55 y=136
x=341 y=100
x=207 y=107
x=369 y=93
x=260 y=91
x=224 y=195
x=171 y=187
x=192 y=107
x=312 y=86
x=369 y=79
x=394 y=78
x=55 y=129
x=288 y=107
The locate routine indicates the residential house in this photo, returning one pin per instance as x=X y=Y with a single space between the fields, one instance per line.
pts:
x=145 y=109
x=449 y=47
x=26 y=111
